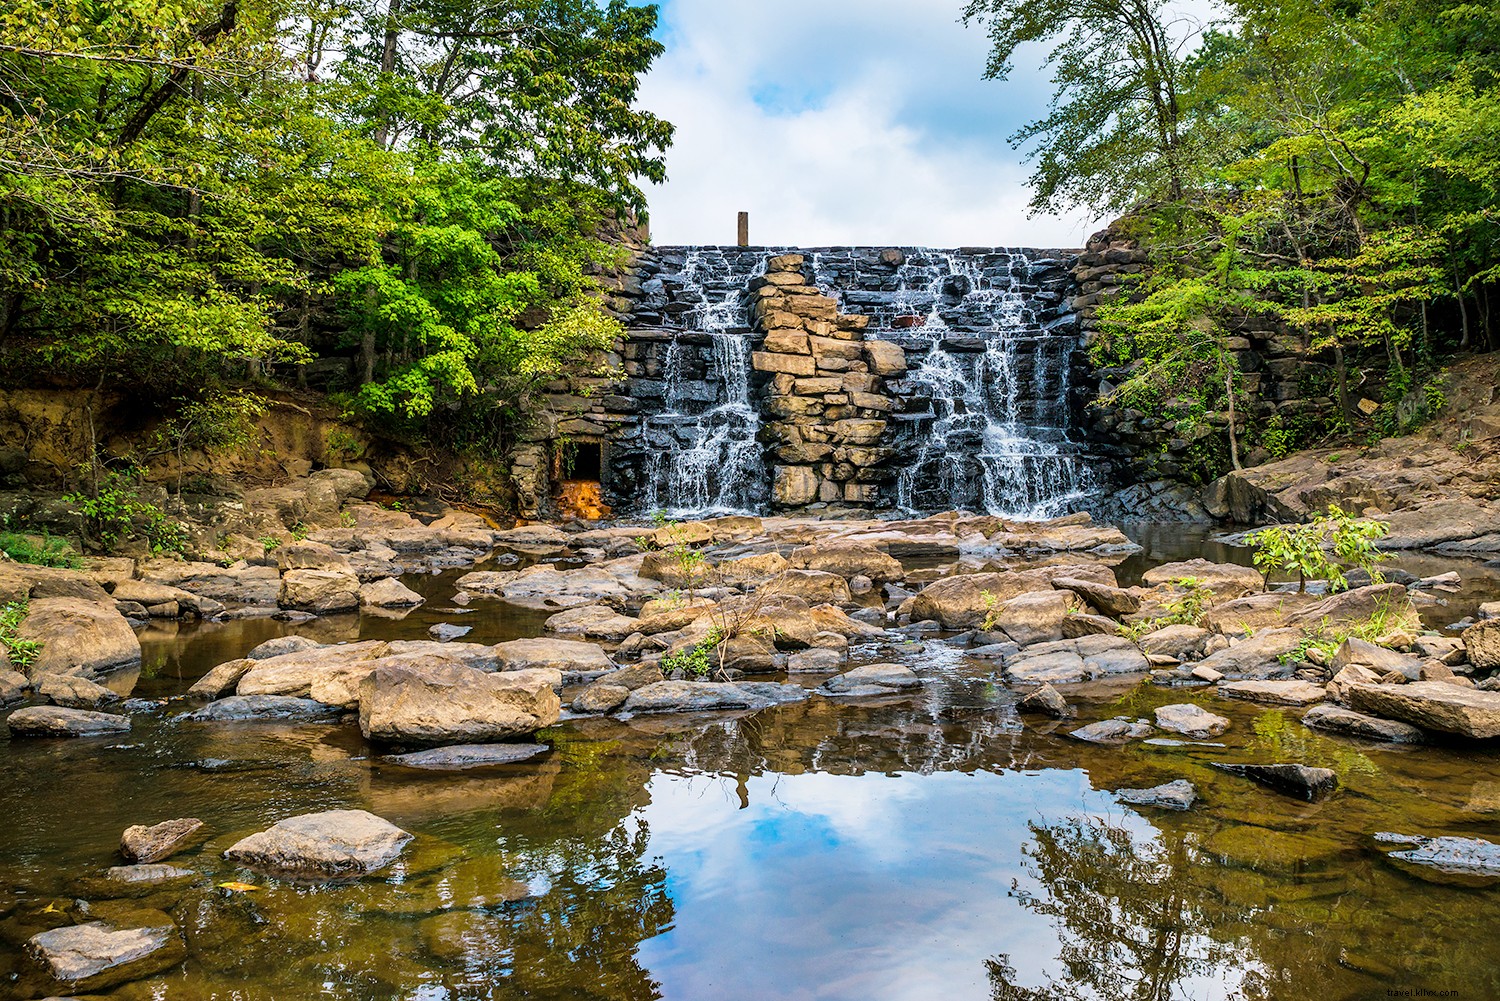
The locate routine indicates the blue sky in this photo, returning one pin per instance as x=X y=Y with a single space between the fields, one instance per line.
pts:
x=843 y=122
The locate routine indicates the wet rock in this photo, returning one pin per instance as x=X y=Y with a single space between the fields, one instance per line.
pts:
x=1362 y=653
x=1045 y=701
x=100 y=954
x=1112 y=731
x=1432 y=705
x=1190 y=721
x=1450 y=854
x=136 y=874
x=1081 y=659
x=1207 y=674
x=388 y=593
x=1337 y=719
x=263 y=708
x=1281 y=693
x=1300 y=781
x=870 y=616
x=13 y=686
x=441 y=703
x=445 y=632
x=1177 y=795
x=152 y=844
x=331 y=845
x=282 y=645
x=694 y=696
x=78 y=636
x=1255 y=655
x=1181 y=642
x=296 y=673
x=574 y=658
x=872 y=679
x=459 y=757
x=73 y=692
x=849 y=560
x=815 y=661
x=1035 y=617
x=1226 y=580
x=221 y=681
x=1109 y=600
x=55 y=721
x=1058 y=667
x=320 y=592
x=601 y=698
x=1482 y=644
x=593 y=621
x=963 y=601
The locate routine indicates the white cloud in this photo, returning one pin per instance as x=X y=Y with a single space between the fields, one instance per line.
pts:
x=841 y=122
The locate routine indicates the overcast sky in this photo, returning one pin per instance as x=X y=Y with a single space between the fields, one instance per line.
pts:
x=843 y=122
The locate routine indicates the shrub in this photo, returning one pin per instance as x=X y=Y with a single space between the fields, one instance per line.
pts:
x=1304 y=549
x=22 y=653
x=41 y=550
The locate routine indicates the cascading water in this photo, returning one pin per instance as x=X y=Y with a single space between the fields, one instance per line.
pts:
x=988 y=437
x=703 y=456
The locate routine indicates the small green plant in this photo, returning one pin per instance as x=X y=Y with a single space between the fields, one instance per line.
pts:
x=1183 y=609
x=338 y=443
x=41 y=550
x=270 y=542
x=1304 y=549
x=698 y=660
x=1321 y=642
x=299 y=531
x=113 y=511
x=22 y=653
x=346 y=518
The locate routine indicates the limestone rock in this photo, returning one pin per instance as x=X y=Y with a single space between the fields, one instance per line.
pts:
x=601 y=698
x=1482 y=644
x=262 y=708
x=388 y=593
x=1300 y=781
x=873 y=679
x=78 y=636
x=335 y=844
x=959 y=602
x=812 y=586
x=446 y=703
x=1112 y=601
x=1363 y=653
x=694 y=696
x=308 y=555
x=815 y=661
x=1282 y=693
x=282 y=645
x=460 y=757
x=73 y=692
x=1354 y=674
x=1337 y=719
x=1255 y=612
x=55 y=721
x=849 y=559
x=1035 y=617
x=221 y=680
x=100 y=954
x=1432 y=705
x=1258 y=654
x=1045 y=701
x=593 y=621
x=1190 y=721
x=1177 y=795
x=322 y=592
x=1181 y=642
x=886 y=359
x=574 y=658
x=1111 y=731
x=1226 y=580
x=1074 y=660
x=152 y=844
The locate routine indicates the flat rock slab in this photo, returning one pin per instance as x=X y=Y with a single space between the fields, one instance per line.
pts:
x=335 y=844
x=152 y=844
x=702 y=696
x=101 y=954
x=1178 y=795
x=885 y=677
x=461 y=756
x=1190 y=721
x=1431 y=705
x=146 y=873
x=56 y=721
x=1301 y=781
x=1337 y=719
x=437 y=703
x=1112 y=731
x=1281 y=693
x=1457 y=855
x=262 y=708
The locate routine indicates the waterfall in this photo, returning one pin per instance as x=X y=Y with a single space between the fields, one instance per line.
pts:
x=992 y=435
x=704 y=457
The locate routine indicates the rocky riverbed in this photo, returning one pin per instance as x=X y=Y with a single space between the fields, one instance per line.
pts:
x=430 y=677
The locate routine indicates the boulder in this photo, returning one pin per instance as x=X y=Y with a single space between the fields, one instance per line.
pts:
x=146 y=874
x=1190 y=721
x=13 y=685
x=322 y=592
x=1434 y=706
x=872 y=679
x=262 y=708
x=1300 y=781
x=1338 y=686
x=443 y=703
x=1259 y=654
x=815 y=661
x=751 y=569
x=1390 y=602
x=460 y=757
x=1081 y=624
x=55 y=721
x=1113 y=601
x=308 y=555
x=221 y=681
x=388 y=593
x=574 y=658
x=78 y=636
x=73 y=692
x=1281 y=693
x=848 y=560
x=695 y=696
x=886 y=359
x=963 y=601
x=1180 y=642
x=600 y=698
x=813 y=586
x=1112 y=731
x=1045 y=700
x=282 y=645
x=152 y=844
x=335 y=844
x=1362 y=653
x=1035 y=617
x=1337 y=719
x=97 y=955
x=1075 y=660
x=1449 y=854
x=296 y=673
x=593 y=621
x=663 y=615
x=1254 y=612
x=1178 y=795
x=1225 y=580
x=1482 y=644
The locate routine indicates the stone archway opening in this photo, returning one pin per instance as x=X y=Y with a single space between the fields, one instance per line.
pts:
x=578 y=472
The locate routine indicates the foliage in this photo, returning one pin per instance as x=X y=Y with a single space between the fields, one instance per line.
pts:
x=112 y=511
x=698 y=660
x=216 y=421
x=1320 y=643
x=40 y=550
x=1304 y=549
x=21 y=652
x=1191 y=599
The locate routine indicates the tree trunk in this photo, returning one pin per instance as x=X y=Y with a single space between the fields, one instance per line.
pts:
x=367 y=342
x=1342 y=369
x=388 y=65
x=1234 y=442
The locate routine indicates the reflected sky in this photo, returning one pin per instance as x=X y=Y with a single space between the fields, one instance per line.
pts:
x=884 y=888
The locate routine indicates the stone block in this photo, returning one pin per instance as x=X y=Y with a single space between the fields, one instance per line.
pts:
x=854 y=322
x=861 y=493
x=859 y=432
x=886 y=359
x=786 y=262
x=785 y=278
x=794 y=486
x=767 y=361
x=786 y=340
x=819 y=385
x=833 y=365
x=870 y=401
x=828 y=347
